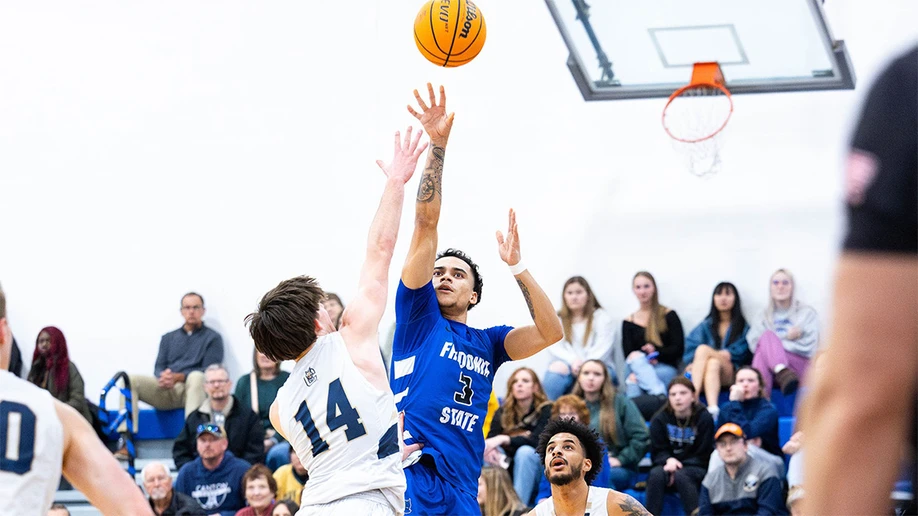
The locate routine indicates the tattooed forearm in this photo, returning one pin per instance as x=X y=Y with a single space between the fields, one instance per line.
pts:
x=631 y=507
x=526 y=295
x=431 y=181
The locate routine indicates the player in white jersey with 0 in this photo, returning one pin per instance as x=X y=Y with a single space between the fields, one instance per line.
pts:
x=336 y=409
x=41 y=437
x=572 y=455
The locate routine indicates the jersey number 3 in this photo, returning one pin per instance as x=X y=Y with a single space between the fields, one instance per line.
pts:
x=348 y=418
x=17 y=437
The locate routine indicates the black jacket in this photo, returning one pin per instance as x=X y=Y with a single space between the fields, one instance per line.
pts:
x=244 y=431
x=182 y=505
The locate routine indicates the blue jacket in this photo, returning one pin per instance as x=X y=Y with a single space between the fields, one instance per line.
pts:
x=758 y=418
x=219 y=490
x=704 y=334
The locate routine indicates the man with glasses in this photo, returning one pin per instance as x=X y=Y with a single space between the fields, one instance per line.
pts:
x=163 y=499
x=214 y=479
x=178 y=376
x=244 y=431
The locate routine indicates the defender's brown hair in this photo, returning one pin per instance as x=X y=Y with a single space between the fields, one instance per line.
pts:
x=284 y=325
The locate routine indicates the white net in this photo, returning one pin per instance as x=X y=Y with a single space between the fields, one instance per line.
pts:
x=695 y=120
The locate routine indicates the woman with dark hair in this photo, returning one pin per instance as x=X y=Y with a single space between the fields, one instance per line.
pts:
x=496 y=496
x=589 y=333
x=717 y=347
x=652 y=341
x=53 y=371
x=260 y=491
x=257 y=390
x=617 y=421
x=681 y=438
x=516 y=427
x=285 y=508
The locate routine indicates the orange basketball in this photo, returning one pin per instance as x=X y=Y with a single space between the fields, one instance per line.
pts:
x=449 y=32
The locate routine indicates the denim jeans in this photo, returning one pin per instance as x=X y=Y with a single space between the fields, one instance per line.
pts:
x=278 y=455
x=527 y=471
x=556 y=385
x=651 y=378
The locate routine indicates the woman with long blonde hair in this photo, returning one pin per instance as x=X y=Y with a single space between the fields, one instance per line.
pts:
x=617 y=420
x=496 y=496
x=589 y=333
x=652 y=341
x=515 y=429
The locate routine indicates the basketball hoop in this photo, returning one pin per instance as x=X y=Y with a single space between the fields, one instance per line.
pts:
x=695 y=116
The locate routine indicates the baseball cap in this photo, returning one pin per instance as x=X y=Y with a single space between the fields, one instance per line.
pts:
x=210 y=428
x=730 y=428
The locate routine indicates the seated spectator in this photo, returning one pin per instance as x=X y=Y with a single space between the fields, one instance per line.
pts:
x=214 y=479
x=744 y=484
x=334 y=307
x=617 y=421
x=570 y=406
x=258 y=390
x=652 y=341
x=681 y=437
x=755 y=414
x=515 y=429
x=285 y=508
x=178 y=376
x=717 y=347
x=783 y=338
x=291 y=478
x=244 y=431
x=589 y=333
x=58 y=509
x=53 y=371
x=165 y=501
x=496 y=496
x=260 y=491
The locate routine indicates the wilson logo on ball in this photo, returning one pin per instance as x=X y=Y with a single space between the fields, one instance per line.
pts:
x=449 y=32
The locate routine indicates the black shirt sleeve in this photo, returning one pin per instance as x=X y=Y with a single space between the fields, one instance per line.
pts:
x=882 y=169
x=673 y=341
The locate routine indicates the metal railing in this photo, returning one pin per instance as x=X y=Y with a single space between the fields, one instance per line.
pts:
x=124 y=415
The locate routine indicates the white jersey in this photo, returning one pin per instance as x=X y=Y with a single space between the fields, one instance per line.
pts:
x=596 y=504
x=31 y=447
x=344 y=430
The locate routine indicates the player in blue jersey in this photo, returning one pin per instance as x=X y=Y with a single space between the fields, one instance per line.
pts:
x=442 y=369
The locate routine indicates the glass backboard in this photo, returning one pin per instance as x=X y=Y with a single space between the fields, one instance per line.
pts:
x=625 y=49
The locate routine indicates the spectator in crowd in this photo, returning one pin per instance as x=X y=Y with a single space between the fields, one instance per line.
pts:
x=681 y=436
x=496 y=495
x=214 y=479
x=589 y=333
x=58 y=509
x=165 y=501
x=244 y=431
x=334 y=307
x=783 y=337
x=617 y=421
x=755 y=414
x=291 y=478
x=285 y=508
x=717 y=347
x=53 y=371
x=515 y=429
x=260 y=491
x=652 y=341
x=178 y=376
x=570 y=406
x=744 y=484
x=258 y=390
x=794 y=448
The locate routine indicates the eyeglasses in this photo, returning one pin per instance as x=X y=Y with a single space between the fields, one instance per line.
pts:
x=780 y=282
x=216 y=382
x=194 y=308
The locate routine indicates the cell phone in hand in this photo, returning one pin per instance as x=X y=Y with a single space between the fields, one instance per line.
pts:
x=653 y=355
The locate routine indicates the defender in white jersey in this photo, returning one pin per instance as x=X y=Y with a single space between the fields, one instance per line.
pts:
x=336 y=409
x=40 y=438
x=572 y=455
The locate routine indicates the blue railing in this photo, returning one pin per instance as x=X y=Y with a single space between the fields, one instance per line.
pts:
x=124 y=415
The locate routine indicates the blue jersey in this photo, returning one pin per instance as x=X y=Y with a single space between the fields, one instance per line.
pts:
x=441 y=376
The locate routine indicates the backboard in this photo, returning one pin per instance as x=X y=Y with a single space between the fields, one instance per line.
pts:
x=627 y=49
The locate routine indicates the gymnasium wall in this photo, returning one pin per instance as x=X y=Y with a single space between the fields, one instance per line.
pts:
x=151 y=149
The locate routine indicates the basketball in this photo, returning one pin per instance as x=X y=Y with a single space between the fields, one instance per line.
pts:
x=449 y=32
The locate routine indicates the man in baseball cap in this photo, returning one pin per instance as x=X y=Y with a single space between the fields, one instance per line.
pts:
x=744 y=484
x=214 y=478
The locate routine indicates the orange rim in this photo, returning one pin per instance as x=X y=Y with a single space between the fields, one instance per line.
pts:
x=704 y=75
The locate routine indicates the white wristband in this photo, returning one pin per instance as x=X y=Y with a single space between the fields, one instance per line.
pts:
x=518 y=268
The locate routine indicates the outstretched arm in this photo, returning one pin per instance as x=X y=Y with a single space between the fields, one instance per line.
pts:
x=418 y=269
x=528 y=340
x=360 y=320
x=92 y=469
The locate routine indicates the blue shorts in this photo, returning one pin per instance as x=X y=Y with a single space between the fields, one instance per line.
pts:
x=428 y=494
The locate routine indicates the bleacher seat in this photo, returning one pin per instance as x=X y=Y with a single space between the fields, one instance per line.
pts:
x=784 y=404
x=671 y=504
x=156 y=424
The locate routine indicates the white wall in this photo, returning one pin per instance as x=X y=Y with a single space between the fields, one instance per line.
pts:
x=148 y=149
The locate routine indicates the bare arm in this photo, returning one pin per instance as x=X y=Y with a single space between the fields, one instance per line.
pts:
x=842 y=412
x=620 y=504
x=92 y=469
x=528 y=340
x=360 y=321
x=422 y=253
x=274 y=417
